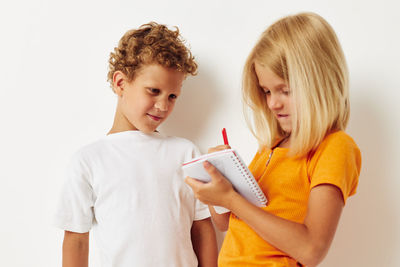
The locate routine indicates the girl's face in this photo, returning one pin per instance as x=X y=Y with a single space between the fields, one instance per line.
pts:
x=278 y=96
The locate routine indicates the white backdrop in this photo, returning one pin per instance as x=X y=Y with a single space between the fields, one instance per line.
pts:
x=54 y=98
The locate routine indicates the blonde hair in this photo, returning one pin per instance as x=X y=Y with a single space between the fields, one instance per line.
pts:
x=150 y=43
x=304 y=51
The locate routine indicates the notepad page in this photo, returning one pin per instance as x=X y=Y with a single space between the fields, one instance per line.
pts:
x=229 y=163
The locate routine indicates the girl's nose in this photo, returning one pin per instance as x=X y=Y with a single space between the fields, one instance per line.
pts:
x=274 y=102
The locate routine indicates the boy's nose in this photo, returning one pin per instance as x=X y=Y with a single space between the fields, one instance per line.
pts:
x=161 y=105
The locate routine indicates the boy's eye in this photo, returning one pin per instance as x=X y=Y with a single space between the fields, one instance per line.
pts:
x=154 y=90
x=172 y=96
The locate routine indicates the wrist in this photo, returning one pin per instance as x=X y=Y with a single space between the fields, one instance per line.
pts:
x=230 y=200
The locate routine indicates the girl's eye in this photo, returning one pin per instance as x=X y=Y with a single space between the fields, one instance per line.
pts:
x=172 y=96
x=264 y=90
x=285 y=90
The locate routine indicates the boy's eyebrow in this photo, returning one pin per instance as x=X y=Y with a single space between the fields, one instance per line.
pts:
x=174 y=91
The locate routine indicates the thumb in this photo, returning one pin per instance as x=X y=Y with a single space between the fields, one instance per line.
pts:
x=212 y=171
x=193 y=183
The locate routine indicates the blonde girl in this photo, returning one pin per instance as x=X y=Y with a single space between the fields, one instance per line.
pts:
x=295 y=85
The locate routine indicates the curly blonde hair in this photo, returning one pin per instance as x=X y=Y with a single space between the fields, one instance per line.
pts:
x=150 y=43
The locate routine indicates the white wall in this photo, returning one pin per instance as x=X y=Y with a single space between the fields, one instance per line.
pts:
x=54 y=98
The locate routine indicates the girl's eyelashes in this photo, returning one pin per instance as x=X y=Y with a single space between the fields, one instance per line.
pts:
x=264 y=90
x=284 y=91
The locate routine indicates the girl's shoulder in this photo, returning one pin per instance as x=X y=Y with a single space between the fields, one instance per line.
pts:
x=336 y=161
x=338 y=139
x=338 y=144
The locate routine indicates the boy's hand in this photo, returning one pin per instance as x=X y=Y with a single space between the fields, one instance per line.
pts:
x=218 y=192
x=218 y=148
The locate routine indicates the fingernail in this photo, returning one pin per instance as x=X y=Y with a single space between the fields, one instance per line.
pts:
x=206 y=164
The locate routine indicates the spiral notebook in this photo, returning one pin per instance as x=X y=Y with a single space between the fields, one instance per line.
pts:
x=231 y=165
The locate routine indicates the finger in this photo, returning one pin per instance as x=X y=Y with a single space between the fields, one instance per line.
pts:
x=212 y=171
x=218 y=148
x=212 y=149
x=222 y=147
x=193 y=183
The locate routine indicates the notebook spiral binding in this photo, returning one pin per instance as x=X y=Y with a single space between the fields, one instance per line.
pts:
x=252 y=183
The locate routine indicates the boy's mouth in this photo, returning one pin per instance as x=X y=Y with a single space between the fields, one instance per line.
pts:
x=156 y=118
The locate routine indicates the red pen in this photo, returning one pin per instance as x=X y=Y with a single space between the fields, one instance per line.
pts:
x=225 y=137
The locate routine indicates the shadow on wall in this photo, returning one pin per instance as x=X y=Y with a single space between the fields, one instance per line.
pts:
x=197 y=103
x=369 y=227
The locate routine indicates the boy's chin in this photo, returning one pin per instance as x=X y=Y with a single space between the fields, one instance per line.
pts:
x=147 y=130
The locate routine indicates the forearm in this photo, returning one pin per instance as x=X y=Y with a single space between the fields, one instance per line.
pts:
x=221 y=221
x=75 y=252
x=307 y=242
x=205 y=243
x=293 y=238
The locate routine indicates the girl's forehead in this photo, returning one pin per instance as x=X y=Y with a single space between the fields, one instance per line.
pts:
x=267 y=78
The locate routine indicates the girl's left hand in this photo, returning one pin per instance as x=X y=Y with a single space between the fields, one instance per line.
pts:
x=218 y=192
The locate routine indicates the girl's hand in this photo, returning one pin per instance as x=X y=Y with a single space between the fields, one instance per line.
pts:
x=218 y=192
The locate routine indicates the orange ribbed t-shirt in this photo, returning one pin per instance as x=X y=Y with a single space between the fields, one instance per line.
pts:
x=287 y=182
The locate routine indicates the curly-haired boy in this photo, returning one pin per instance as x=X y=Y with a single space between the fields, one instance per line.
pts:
x=128 y=188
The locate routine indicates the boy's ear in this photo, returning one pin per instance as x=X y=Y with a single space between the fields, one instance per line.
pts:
x=119 y=81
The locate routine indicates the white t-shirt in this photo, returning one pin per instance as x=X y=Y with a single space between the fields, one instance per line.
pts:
x=129 y=191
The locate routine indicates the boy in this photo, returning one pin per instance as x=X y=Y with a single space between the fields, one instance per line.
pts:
x=127 y=188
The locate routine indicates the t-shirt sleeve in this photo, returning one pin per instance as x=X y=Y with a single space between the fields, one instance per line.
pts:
x=201 y=210
x=338 y=162
x=74 y=211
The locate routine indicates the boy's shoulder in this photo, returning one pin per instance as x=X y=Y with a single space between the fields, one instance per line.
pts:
x=180 y=145
x=180 y=140
x=86 y=151
x=102 y=145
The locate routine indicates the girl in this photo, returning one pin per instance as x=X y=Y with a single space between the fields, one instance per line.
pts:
x=295 y=83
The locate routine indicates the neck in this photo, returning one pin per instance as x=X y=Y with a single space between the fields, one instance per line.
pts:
x=285 y=143
x=120 y=124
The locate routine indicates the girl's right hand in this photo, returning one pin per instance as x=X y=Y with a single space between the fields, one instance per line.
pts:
x=218 y=148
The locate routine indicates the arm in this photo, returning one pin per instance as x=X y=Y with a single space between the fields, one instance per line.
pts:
x=204 y=243
x=75 y=249
x=221 y=221
x=307 y=242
